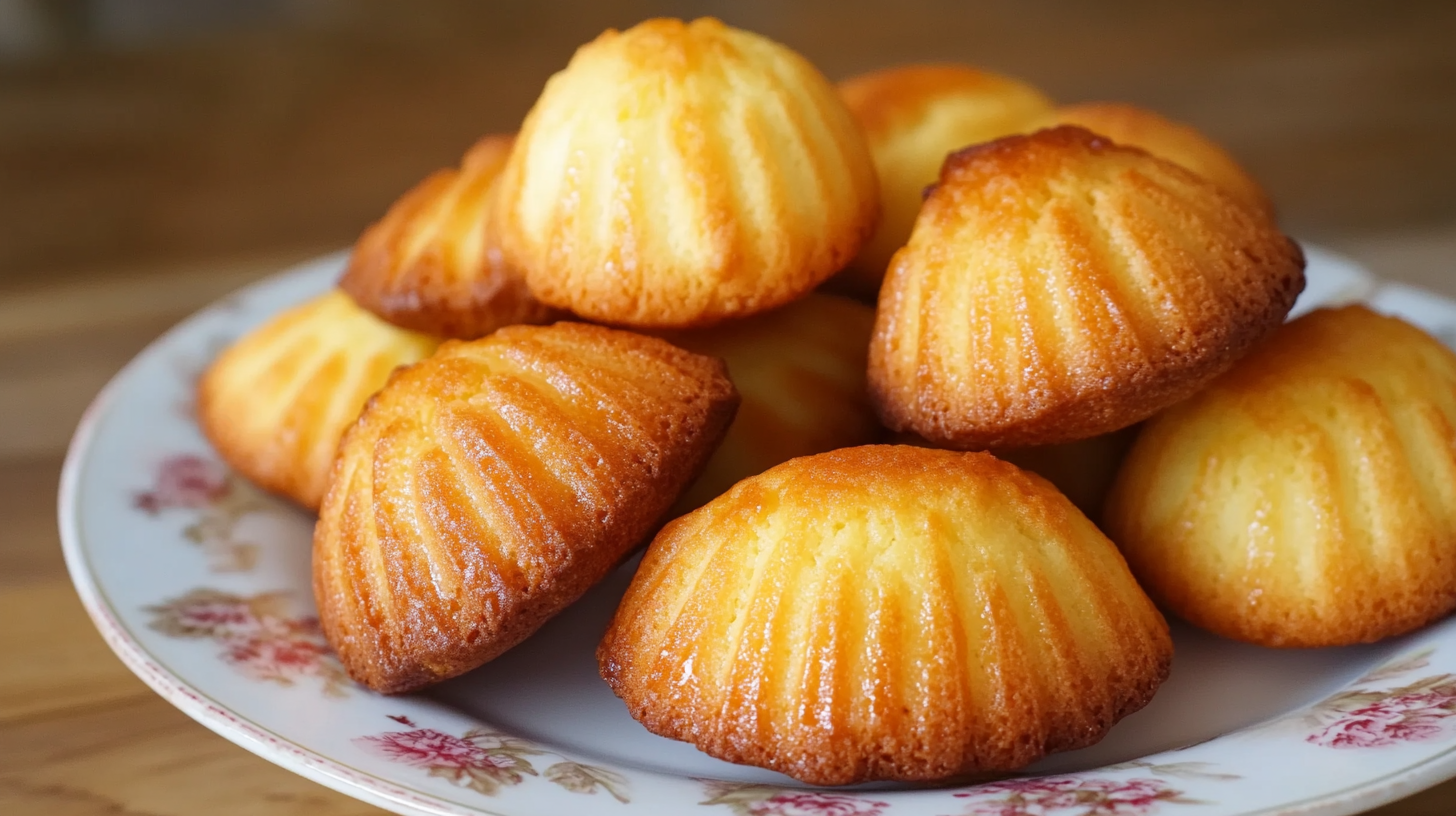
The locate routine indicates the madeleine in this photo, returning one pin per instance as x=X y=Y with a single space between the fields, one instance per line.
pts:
x=276 y=402
x=679 y=174
x=885 y=613
x=1059 y=286
x=433 y=264
x=1162 y=137
x=487 y=487
x=1308 y=496
x=913 y=116
x=801 y=373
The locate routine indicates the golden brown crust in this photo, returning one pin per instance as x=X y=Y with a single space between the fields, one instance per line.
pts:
x=433 y=263
x=276 y=402
x=1059 y=286
x=1162 y=137
x=1308 y=496
x=801 y=372
x=675 y=175
x=885 y=612
x=913 y=116
x=1083 y=470
x=487 y=487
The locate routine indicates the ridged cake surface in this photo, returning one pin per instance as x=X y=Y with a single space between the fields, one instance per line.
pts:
x=276 y=402
x=885 y=612
x=1162 y=137
x=800 y=371
x=487 y=487
x=1059 y=286
x=1308 y=496
x=913 y=117
x=678 y=174
x=433 y=263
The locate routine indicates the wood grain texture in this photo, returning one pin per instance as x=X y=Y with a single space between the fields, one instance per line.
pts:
x=138 y=184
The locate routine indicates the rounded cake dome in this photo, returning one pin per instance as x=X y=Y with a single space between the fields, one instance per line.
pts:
x=276 y=402
x=1308 y=496
x=433 y=263
x=1059 y=286
x=487 y=487
x=678 y=174
x=913 y=116
x=885 y=612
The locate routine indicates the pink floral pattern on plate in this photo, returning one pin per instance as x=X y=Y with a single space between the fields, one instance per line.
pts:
x=486 y=762
x=257 y=637
x=748 y=799
x=1376 y=718
x=1071 y=796
x=218 y=497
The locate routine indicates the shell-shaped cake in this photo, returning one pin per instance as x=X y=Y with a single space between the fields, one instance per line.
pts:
x=678 y=174
x=1162 y=137
x=1059 y=286
x=487 y=487
x=276 y=402
x=433 y=263
x=1308 y=496
x=913 y=116
x=885 y=612
x=801 y=373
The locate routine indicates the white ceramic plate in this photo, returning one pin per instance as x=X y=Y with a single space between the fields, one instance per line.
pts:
x=201 y=584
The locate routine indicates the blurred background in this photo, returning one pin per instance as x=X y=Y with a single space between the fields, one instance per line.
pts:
x=155 y=154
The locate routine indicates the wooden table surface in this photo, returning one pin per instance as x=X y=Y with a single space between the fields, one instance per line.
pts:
x=140 y=180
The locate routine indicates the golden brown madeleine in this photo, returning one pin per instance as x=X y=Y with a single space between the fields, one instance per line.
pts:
x=433 y=263
x=487 y=487
x=801 y=372
x=913 y=116
x=678 y=174
x=1162 y=137
x=1308 y=496
x=885 y=612
x=1059 y=286
x=275 y=403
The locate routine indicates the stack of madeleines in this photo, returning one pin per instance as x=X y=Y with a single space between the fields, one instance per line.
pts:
x=605 y=330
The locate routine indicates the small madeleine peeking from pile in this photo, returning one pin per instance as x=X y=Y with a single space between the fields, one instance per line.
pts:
x=913 y=116
x=861 y=612
x=434 y=265
x=1180 y=144
x=276 y=402
x=801 y=373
